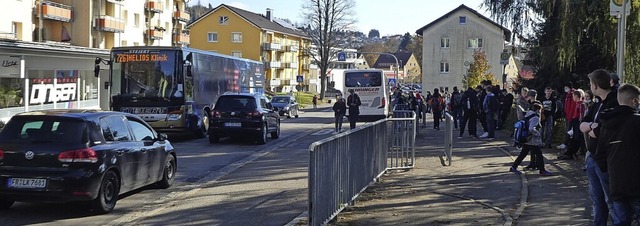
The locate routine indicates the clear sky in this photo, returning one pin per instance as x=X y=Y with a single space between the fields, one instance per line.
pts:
x=388 y=16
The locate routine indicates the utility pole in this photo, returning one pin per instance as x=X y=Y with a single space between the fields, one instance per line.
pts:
x=622 y=31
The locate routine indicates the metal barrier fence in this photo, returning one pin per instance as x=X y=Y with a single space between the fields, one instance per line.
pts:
x=343 y=166
x=448 y=137
x=403 y=140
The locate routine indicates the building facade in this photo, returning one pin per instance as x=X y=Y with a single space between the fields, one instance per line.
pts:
x=48 y=47
x=240 y=33
x=409 y=71
x=450 y=41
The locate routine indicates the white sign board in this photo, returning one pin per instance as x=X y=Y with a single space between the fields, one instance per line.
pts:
x=9 y=66
x=615 y=7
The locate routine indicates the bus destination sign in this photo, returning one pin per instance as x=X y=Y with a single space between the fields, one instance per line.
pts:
x=141 y=57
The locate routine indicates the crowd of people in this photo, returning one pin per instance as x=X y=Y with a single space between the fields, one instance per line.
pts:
x=601 y=125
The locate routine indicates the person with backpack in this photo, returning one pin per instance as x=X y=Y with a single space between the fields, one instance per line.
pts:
x=353 y=102
x=437 y=106
x=470 y=104
x=532 y=140
x=456 y=106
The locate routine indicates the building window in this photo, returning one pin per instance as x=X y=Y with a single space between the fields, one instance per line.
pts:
x=212 y=36
x=475 y=43
x=125 y=17
x=444 y=42
x=236 y=54
x=136 y=43
x=444 y=67
x=463 y=20
x=224 y=20
x=136 y=20
x=124 y=43
x=236 y=37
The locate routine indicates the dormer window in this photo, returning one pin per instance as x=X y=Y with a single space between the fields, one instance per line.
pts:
x=224 y=20
x=463 y=20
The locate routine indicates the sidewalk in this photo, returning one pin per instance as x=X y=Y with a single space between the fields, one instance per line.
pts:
x=477 y=189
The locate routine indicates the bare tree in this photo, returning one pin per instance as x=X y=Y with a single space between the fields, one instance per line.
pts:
x=324 y=19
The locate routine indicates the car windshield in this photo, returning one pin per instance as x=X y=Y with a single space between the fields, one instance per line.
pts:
x=44 y=130
x=235 y=103
x=280 y=100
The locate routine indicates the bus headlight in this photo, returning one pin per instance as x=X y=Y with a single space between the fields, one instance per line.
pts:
x=174 y=115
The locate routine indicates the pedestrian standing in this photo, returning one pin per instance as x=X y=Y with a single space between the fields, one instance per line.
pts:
x=470 y=104
x=428 y=100
x=437 y=107
x=339 y=109
x=569 y=110
x=315 y=102
x=621 y=130
x=576 y=140
x=549 y=109
x=533 y=145
x=505 y=107
x=482 y=115
x=353 y=102
x=596 y=161
x=456 y=107
x=490 y=106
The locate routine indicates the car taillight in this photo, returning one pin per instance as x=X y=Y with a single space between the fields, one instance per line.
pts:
x=254 y=114
x=1 y=154
x=215 y=114
x=80 y=155
x=384 y=102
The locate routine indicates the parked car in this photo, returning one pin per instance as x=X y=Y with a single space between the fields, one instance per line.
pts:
x=242 y=114
x=285 y=105
x=81 y=155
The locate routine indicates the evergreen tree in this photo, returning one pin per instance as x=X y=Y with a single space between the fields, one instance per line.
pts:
x=373 y=33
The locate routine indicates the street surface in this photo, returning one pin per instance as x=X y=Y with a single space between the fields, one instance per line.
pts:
x=231 y=183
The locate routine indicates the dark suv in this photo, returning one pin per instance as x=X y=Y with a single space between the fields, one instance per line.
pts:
x=242 y=114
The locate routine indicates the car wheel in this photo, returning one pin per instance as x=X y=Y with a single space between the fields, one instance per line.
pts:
x=214 y=139
x=297 y=113
x=202 y=131
x=108 y=194
x=169 y=174
x=262 y=137
x=289 y=114
x=5 y=203
x=276 y=134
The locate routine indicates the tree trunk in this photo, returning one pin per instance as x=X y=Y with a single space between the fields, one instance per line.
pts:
x=323 y=83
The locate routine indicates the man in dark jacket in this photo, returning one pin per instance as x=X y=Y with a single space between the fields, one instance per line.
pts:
x=470 y=104
x=549 y=104
x=621 y=130
x=596 y=162
x=339 y=109
x=353 y=102
x=505 y=107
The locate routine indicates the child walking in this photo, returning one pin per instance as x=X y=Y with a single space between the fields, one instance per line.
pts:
x=534 y=143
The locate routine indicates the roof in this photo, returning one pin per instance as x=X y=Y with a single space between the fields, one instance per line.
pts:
x=385 y=60
x=257 y=20
x=507 y=32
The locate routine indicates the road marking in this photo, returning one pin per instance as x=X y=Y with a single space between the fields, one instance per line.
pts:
x=322 y=132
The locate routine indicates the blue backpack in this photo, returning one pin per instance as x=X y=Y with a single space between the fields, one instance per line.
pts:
x=521 y=134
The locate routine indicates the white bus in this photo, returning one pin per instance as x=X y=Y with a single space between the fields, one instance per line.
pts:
x=371 y=87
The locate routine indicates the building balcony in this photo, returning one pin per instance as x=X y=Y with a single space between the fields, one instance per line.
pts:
x=154 y=34
x=54 y=11
x=8 y=36
x=305 y=66
x=181 y=16
x=181 y=38
x=153 y=6
x=109 y=23
x=271 y=46
x=293 y=65
x=293 y=48
x=273 y=64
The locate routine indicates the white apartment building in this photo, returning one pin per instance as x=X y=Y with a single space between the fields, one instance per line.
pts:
x=449 y=43
x=48 y=47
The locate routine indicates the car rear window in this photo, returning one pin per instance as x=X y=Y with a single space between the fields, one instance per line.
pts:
x=44 y=130
x=231 y=103
x=280 y=100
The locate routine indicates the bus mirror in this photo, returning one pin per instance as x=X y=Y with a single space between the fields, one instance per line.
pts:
x=96 y=70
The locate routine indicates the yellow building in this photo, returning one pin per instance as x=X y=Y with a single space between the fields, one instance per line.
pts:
x=236 y=32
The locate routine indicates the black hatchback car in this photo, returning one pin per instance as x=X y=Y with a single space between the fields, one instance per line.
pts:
x=81 y=155
x=242 y=114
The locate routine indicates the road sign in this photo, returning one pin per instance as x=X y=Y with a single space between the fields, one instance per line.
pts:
x=615 y=7
x=299 y=79
x=392 y=82
x=342 y=56
x=504 y=58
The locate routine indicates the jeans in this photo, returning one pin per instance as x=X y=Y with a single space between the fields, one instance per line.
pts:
x=482 y=117
x=625 y=209
x=457 y=116
x=599 y=192
x=339 y=118
x=547 y=130
x=491 y=125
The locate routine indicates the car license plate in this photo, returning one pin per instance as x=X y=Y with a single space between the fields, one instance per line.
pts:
x=26 y=183
x=232 y=124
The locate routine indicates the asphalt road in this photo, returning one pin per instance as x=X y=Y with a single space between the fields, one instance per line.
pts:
x=231 y=183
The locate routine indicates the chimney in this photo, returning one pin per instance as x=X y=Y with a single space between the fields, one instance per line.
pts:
x=269 y=14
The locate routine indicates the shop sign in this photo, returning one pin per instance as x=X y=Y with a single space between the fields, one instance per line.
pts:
x=9 y=66
x=43 y=90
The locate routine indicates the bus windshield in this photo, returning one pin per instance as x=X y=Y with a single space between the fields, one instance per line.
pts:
x=363 y=79
x=146 y=73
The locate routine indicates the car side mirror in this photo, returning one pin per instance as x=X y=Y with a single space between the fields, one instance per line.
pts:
x=162 y=137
